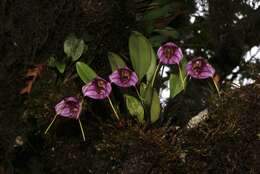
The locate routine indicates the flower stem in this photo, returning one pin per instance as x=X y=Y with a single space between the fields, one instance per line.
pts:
x=182 y=80
x=111 y=104
x=82 y=130
x=155 y=72
x=137 y=92
x=50 y=124
x=216 y=86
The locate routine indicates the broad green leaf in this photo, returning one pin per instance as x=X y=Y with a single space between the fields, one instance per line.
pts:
x=183 y=64
x=85 y=72
x=140 y=53
x=74 y=47
x=60 y=66
x=142 y=89
x=175 y=85
x=115 y=61
x=175 y=80
x=155 y=107
x=134 y=107
x=158 y=12
x=168 y=32
x=151 y=70
x=148 y=95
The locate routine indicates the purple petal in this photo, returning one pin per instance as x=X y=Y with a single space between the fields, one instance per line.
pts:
x=175 y=57
x=178 y=56
x=98 y=96
x=163 y=60
x=68 y=107
x=204 y=75
x=114 y=76
x=118 y=82
x=160 y=53
x=134 y=78
x=204 y=71
x=172 y=61
x=91 y=90
x=108 y=89
x=65 y=112
x=210 y=69
x=117 y=79
x=207 y=71
x=88 y=87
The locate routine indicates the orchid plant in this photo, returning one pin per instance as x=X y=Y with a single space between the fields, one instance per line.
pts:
x=145 y=105
x=73 y=48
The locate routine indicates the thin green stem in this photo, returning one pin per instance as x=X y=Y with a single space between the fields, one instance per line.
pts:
x=185 y=78
x=180 y=74
x=155 y=73
x=111 y=104
x=82 y=130
x=216 y=86
x=50 y=124
x=137 y=92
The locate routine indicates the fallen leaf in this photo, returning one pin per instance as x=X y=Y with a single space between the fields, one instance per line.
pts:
x=216 y=78
x=32 y=73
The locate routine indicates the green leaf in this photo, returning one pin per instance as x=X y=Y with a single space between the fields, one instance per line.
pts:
x=140 y=53
x=60 y=66
x=74 y=47
x=155 y=107
x=115 y=61
x=151 y=70
x=158 y=12
x=183 y=64
x=85 y=72
x=175 y=80
x=142 y=89
x=51 y=62
x=148 y=94
x=175 y=85
x=134 y=107
x=168 y=32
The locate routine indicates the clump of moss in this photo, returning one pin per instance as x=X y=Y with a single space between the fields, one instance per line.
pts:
x=228 y=141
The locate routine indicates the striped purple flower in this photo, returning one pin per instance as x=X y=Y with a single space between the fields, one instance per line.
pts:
x=69 y=107
x=97 y=89
x=124 y=77
x=199 y=68
x=169 y=53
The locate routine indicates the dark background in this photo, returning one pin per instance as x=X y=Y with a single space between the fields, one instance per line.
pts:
x=33 y=30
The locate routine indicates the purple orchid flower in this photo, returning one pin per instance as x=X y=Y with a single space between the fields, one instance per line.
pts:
x=124 y=77
x=69 y=107
x=97 y=89
x=199 y=68
x=169 y=53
